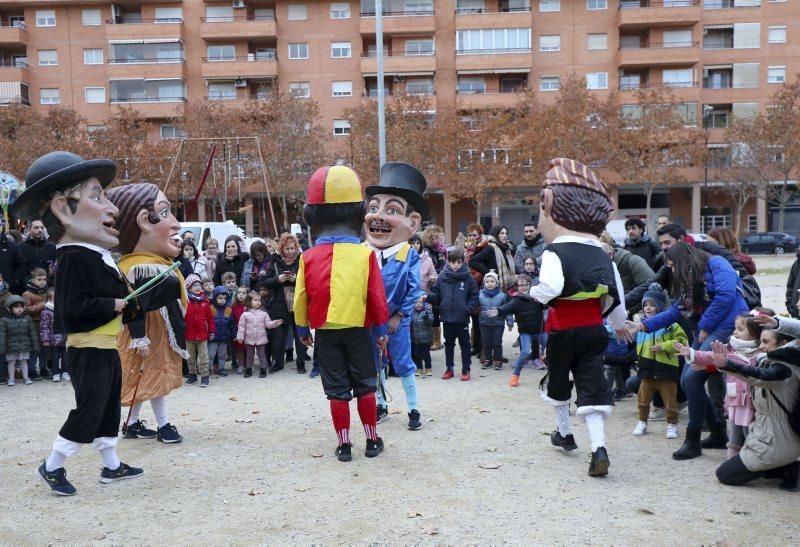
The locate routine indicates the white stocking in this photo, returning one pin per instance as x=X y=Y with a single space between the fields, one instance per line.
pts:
x=595 y=423
x=562 y=420
x=135 y=410
x=159 y=405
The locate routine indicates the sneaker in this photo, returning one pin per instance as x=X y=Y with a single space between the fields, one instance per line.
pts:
x=262 y=373
x=11 y=382
x=683 y=406
x=418 y=373
x=465 y=376
x=56 y=377
x=672 y=431
x=485 y=365
x=538 y=364
x=301 y=368
x=239 y=370
x=383 y=413
x=657 y=415
x=428 y=372
x=640 y=429
x=138 y=430
x=28 y=381
x=65 y=377
x=343 y=452
x=192 y=379
x=448 y=374
x=567 y=443
x=204 y=381
x=514 y=381
x=413 y=420
x=498 y=365
x=57 y=480
x=222 y=372
x=314 y=372
x=168 y=434
x=248 y=373
x=374 y=447
x=600 y=463
x=124 y=471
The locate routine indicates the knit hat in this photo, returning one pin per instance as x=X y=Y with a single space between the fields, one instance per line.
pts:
x=191 y=279
x=14 y=299
x=493 y=275
x=655 y=294
x=333 y=184
x=218 y=290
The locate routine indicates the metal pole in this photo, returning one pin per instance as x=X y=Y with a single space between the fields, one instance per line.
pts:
x=381 y=112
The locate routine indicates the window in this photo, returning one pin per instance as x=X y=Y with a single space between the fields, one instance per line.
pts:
x=169 y=15
x=678 y=38
x=91 y=17
x=596 y=4
x=48 y=57
x=777 y=35
x=93 y=56
x=501 y=40
x=221 y=53
x=340 y=50
x=49 y=96
x=550 y=43
x=470 y=6
x=418 y=7
x=298 y=51
x=300 y=90
x=776 y=74
x=341 y=127
x=678 y=78
x=471 y=85
x=342 y=89
x=511 y=85
x=419 y=47
x=597 y=41
x=46 y=18
x=340 y=10
x=95 y=94
x=219 y=14
x=597 y=80
x=169 y=131
x=264 y=14
x=419 y=86
x=223 y=91
x=549 y=83
x=752 y=220
x=549 y=5
x=297 y=12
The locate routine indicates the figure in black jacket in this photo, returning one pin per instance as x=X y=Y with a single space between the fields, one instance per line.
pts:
x=528 y=315
x=34 y=252
x=639 y=243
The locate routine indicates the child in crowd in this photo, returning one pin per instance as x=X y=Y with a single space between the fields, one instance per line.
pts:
x=252 y=332
x=19 y=338
x=492 y=298
x=619 y=358
x=208 y=287
x=224 y=331
x=530 y=268
x=237 y=348
x=422 y=337
x=53 y=344
x=528 y=315
x=267 y=304
x=229 y=282
x=658 y=363
x=456 y=294
x=35 y=295
x=199 y=330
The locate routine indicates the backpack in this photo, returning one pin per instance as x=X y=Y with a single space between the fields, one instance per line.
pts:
x=794 y=415
x=751 y=291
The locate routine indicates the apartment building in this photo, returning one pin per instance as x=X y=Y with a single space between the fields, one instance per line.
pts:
x=720 y=57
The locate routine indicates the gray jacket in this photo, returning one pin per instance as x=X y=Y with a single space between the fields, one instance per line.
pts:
x=524 y=251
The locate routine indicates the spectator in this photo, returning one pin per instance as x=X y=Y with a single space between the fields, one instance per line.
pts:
x=639 y=243
x=427 y=273
x=35 y=296
x=433 y=244
x=15 y=237
x=257 y=268
x=188 y=235
x=633 y=270
x=662 y=221
x=793 y=289
x=34 y=252
x=496 y=256
x=532 y=245
x=211 y=254
x=9 y=254
x=232 y=260
x=726 y=238
x=191 y=260
x=474 y=244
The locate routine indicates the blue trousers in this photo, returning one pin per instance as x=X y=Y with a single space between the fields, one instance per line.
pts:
x=693 y=383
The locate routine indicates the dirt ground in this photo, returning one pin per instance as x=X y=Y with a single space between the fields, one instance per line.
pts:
x=257 y=466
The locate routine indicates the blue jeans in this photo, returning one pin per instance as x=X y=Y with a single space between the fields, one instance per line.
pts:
x=525 y=342
x=693 y=383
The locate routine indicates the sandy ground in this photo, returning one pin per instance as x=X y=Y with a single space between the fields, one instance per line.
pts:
x=257 y=466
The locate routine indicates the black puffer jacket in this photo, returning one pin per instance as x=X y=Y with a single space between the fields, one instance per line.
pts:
x=456 y=294
x=18 y=333
x=9 y=259
x=33 y=253
x=527 y=313
x=278 y=307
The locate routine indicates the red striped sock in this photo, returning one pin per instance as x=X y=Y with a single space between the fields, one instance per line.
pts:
x=368 y=412
x=340 y=413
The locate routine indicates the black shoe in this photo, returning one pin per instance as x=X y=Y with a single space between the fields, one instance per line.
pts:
x=413 y=420
x=691 y=447
x=567 y=443
x=475 y=352
x=263 y=373
x=57 y=480
x=222 y=372
x=343 y=452
x=599 y=464
x=124 y=471
x=204 y=381
x=289 y=355
x=168 y=434
x=192 y=379
x=790 y=476
x=717 y=439
x=45 y=373
x=301 y=369
x=248 y=372
x=374 y=447
x=274 y=368
x=383 y=413
x=138 y=430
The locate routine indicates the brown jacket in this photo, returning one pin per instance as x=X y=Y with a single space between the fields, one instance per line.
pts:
x=34 y=304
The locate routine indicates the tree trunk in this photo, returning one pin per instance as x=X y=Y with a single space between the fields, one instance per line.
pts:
x=783 y=201
x=737 y=220
x=477 y=203
x=648 y=193
x=284 y=212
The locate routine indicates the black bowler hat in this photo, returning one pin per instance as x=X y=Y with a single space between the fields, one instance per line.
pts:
x=57 y=171
x=404 y=180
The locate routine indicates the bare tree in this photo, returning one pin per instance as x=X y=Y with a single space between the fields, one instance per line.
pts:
x=783 y=121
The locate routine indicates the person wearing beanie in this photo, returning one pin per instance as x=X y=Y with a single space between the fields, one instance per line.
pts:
x=200 y=329
x=491 y=297
x=659 y=365
x=224 y=330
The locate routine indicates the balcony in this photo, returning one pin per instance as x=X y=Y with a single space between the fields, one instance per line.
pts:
x=680 y=92
x=231 y=28
x=144 y=29
x=489 y=59
x=13 y=33
x=479 y=100
x=400 y=22
x=13 y=69
x=239 y=67
x=399 y=64
x=503 y=17
x=146 y=68
x=662 y=13
x=153 y=107
x=659 y=54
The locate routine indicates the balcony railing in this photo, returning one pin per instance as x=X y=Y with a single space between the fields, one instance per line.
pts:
x=659 y=85
x=373 y=54
x=476 y=11
x=716 y=120
x=420 y=89
x=13 y=24
x=657 y=45
x=373 y=93
x=492 y=51
x=269 y=56
x=158 y=20
x=405 y=13
x=718 y=43
x=175 y=99
x=235 y=18
x=15 y=100
x=14 y=62
x=718 y=85
x=147 y=61
x=636 y=4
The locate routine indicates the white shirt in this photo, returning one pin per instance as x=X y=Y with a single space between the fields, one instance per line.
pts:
x=386 y=254
x=551 y=280
x=105 y=254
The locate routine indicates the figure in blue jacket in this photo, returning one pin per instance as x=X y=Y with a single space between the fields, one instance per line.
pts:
x=394 y=212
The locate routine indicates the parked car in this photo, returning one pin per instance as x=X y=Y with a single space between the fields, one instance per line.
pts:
x=617 y=230
x=699 y=238
x=203 y=231
x=768 y=242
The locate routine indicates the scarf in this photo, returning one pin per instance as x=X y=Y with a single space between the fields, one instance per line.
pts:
x=36 y=290
x=502 y=256
x=194 y=298
x=491 y=293
x=140 y=265
x=745 y=348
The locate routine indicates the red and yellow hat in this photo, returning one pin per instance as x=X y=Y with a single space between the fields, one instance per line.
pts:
x=334 y=184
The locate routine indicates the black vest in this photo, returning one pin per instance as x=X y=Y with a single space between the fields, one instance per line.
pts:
x=585 y=268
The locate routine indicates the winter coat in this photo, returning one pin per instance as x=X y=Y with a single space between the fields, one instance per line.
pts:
x=524 y=251
x=486 y=260
x=34 y=301
x=456 y=294
x=738 y=399
x=5 y=294
x=664 y=364
x=47 y=333
x=469 y=252
x=793 y=289
x=633 y=270
x=646 y=248
x=426 y=270
x=253 y=325
x=18 y=334
x=9 y=259
x=422 y=326
x=254 y=273
x=438 y=257
x=718 y=250
x=237 y=309
x=747 y=262
x=235 y=265
x=199 y=319
x=279 y=306
x=224 y=328
x=527 y=313
x=497 y=301
x=33 y=254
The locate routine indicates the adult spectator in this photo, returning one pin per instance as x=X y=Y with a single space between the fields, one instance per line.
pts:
x=427 y=273
x=496 y=256
x=474 y=244
x=188 y=235
x=713 y=301
x=34 y=252
x=232 y=259
x=793 y=289
x=258 y=267
x=15 y=236
x=191 y=260
x=662 y=221
x=211 y=253
x=726 y=238
x=9 y=257
x=633 y=270
x=639 y=243
x=433 y=244
x=532 y=245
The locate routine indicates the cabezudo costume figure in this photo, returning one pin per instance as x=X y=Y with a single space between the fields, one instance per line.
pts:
x=340 y=294
x=582 y=286
x=395 y=210
x=67 y=193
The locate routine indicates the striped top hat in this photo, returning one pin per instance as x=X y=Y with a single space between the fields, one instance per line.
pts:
x=334 y=184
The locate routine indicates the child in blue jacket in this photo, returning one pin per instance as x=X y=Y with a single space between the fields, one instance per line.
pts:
x=491 y=298
x=225 y=330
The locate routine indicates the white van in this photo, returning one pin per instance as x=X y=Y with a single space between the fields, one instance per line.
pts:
x=617 y=230
x=203 y=231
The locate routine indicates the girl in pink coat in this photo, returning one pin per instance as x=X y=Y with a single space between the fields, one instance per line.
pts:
x=252 y=332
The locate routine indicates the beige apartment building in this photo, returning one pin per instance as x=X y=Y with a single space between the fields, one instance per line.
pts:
x=720 y=57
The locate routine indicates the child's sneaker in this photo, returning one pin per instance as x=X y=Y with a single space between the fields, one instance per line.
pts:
x=204 y=381
x=27 y=381
x=514 y=381
x=448 y=374
x=314 y=372
x=262 y=373
x=640 y=429
x=418 y=373
x=465 y=376
x=383 y=414
x=239 y=370
x=11 y=382
x=672 y=431
x=485 y=365
x=498 y=365
x=414 y=422
x=65 y=377
x=428 y=371
x=343 y=452
x=192 y=379
x=57 y=480
x=138 y=430
x=124 y=471
x=56 y=377
x=222 y=372
x=374 y=447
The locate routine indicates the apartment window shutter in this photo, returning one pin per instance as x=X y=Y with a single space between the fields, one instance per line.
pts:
x=745 y=75
x=746 y=3
x=297 y=12
x=219 y=13
x=746 y=35
x=745 y=110
x=169 y=15
x=678 y=38
x=597 y=41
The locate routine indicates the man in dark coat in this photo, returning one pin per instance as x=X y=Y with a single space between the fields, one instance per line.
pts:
x=639 y=243
x=9 y=257
x=34 y=252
